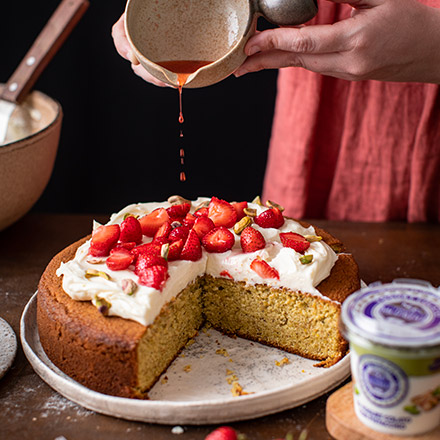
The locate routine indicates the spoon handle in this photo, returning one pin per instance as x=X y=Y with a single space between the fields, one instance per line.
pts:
x=50 y=39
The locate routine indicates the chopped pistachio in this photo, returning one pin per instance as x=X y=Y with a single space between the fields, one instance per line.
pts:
x=271 y=204
x=128 y=286
x=337 y=247
x=203 y=204
x=250 y=212
x=242 y=224
x=94 y=260
x=312 y=238
x=102 y=305
x=306 y=259
x=412 y=409
x=90 y=273
x=178 y=200
x=164 y=250
x=257 y=200
x=128 y=214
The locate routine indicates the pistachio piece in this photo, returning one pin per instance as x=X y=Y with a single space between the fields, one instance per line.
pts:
x=90 y=273
x=250 y=212
x=271 y=204
x=306 y=259
x=203 y=204
x=128 y=286
x=257 y=200
x=312 y=238
x=337 y=247
x=94 y=260
x=240 y=226
x=129 y=214
x=164 y=250
x=178 y=200
x=102 y=305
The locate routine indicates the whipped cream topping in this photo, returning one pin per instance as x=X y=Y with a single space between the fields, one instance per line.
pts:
x=146 y=303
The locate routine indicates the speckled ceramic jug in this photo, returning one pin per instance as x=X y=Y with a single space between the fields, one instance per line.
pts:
x=213 y=31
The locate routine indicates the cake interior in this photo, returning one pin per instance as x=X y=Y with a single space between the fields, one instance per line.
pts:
x=301 y=324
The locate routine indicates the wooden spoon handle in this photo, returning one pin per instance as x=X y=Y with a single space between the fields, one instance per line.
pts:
x=50 y=39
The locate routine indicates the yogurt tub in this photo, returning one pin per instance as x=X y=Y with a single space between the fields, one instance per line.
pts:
x=394 y=335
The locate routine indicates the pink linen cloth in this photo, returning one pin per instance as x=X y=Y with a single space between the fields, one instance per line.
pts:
x=358 y=151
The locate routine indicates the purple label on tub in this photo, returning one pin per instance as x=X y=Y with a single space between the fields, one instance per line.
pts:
x=384 y=383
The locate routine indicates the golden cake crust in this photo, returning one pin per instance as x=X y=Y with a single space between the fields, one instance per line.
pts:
x=101 y=352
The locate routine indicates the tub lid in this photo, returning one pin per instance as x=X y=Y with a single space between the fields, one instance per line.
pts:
x=404 y=313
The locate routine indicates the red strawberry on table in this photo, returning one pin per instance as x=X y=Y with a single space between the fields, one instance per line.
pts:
x=154 y=276
x=104 y=238
x=271 y=218
x=294 y=241
x=119 y=259
x=263 y=269
x=203 y=225
x=177 y=212
x=151 y=222
x=239 y=209
x=131 y=230
x=218 y=240
x=252 y=240
x=192 y=250
x=222 y=213
x=222 y=433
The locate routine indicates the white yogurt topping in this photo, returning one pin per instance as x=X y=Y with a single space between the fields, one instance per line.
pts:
x=145 y=304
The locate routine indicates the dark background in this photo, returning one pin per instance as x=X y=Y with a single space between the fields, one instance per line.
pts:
x=120 y=136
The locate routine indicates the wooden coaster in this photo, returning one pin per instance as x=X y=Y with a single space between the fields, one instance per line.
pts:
x=343 y=424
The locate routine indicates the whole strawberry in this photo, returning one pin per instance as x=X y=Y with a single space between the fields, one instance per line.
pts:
x=222 y=433
x=131 y=230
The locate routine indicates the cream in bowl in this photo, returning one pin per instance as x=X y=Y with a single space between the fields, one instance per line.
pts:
x=394 y=335
x=27 y=158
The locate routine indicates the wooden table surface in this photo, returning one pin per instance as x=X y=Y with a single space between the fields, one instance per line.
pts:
x=30 y=409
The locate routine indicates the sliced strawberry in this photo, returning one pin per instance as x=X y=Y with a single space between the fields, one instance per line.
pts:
x=131 y=230
x=263 y=269
x=271 y=218
x=252 y=240
x=154 y=276
x=119 y=259
x=222 y=433
x=175 y=250
x=164 y=230
x=129 y=245
x=202 y=212
x=294 y=241
x=203 y=225
x=144 y=261
x=218 y=240
x=222 y=213
x=178 y=211
x=189 y=220
x=179 y=233
x=104 y=238
x=147 y=248
x=151 y=222
x=226 y=274
x=192 y=250
x=239 y=209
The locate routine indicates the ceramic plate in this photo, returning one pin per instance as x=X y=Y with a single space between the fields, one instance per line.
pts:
x=197 y=387
x=8 y=346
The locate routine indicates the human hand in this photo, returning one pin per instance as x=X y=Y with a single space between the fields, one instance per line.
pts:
x=390 y=40
x=124 y=49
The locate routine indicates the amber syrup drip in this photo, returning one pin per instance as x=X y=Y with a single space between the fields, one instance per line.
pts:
x=183 y=69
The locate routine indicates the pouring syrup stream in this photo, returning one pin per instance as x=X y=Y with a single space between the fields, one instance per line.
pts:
x=183 y=69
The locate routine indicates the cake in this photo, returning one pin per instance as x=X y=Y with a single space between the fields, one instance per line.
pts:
x=115 y=308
